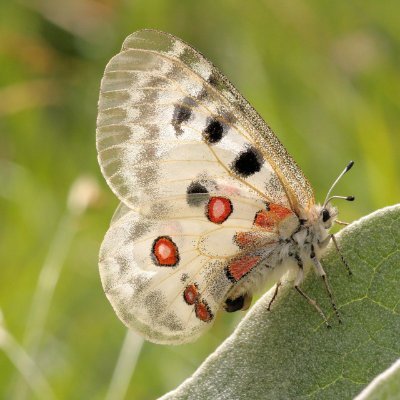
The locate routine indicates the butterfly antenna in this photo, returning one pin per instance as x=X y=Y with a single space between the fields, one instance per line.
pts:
x=348 y=198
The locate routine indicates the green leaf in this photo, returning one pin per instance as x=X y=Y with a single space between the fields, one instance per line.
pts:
x=288 y=353
x=384 y=386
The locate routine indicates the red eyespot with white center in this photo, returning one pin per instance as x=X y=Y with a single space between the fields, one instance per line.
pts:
x=191 y=294
x=165 y=252
x=203 y=312
x=218 y=209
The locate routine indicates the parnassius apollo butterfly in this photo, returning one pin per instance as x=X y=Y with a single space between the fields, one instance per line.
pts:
x=212 y=206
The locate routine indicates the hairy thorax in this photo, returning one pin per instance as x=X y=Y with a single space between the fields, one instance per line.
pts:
x=300 y=240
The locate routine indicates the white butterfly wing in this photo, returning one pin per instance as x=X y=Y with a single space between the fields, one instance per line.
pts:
x=168 y=278
x=193 y=164
x=167 y=116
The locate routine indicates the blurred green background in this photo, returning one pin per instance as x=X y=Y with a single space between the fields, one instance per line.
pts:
x=325 y=75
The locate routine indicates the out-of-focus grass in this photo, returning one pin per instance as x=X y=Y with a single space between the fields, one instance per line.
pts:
x=323 y=74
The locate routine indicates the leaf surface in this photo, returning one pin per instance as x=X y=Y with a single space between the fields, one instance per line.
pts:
x=384 y=386
x=288 y=353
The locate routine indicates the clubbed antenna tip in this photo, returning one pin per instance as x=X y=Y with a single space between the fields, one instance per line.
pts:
x=349 y=165
x=349 y=198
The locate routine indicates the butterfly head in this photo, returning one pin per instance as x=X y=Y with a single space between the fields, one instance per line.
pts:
x=320 y=216
x=327 y=215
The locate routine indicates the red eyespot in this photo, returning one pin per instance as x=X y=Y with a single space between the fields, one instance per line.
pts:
x=165 y=252
x=191 y=294
x=203 y=312
x=218 y=209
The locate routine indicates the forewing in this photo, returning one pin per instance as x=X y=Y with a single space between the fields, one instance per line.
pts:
x=168 y=278
x=170 y=123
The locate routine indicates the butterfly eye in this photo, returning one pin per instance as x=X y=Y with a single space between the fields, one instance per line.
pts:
x=325 y=215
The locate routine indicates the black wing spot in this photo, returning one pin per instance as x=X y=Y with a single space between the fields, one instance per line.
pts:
x=248 y=162
x=214 y=131
x=232 y=305
x=182 y=113
x=197 y=194
x=229 y=275
x=213 y=80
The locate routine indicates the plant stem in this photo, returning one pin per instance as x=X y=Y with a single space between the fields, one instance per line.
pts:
x=125 y=366
x=25 y=365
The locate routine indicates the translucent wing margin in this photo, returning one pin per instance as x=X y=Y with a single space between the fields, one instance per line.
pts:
x=166 y=112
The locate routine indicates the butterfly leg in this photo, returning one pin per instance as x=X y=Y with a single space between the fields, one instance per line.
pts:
x=299 y=279
x=322 y=274
x=341 y=255
x=278 y=284
x=325 y=243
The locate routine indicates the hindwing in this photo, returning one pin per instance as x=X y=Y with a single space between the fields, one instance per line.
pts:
x=168 y=278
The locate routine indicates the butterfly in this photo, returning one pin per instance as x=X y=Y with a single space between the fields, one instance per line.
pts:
x=212 y=207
